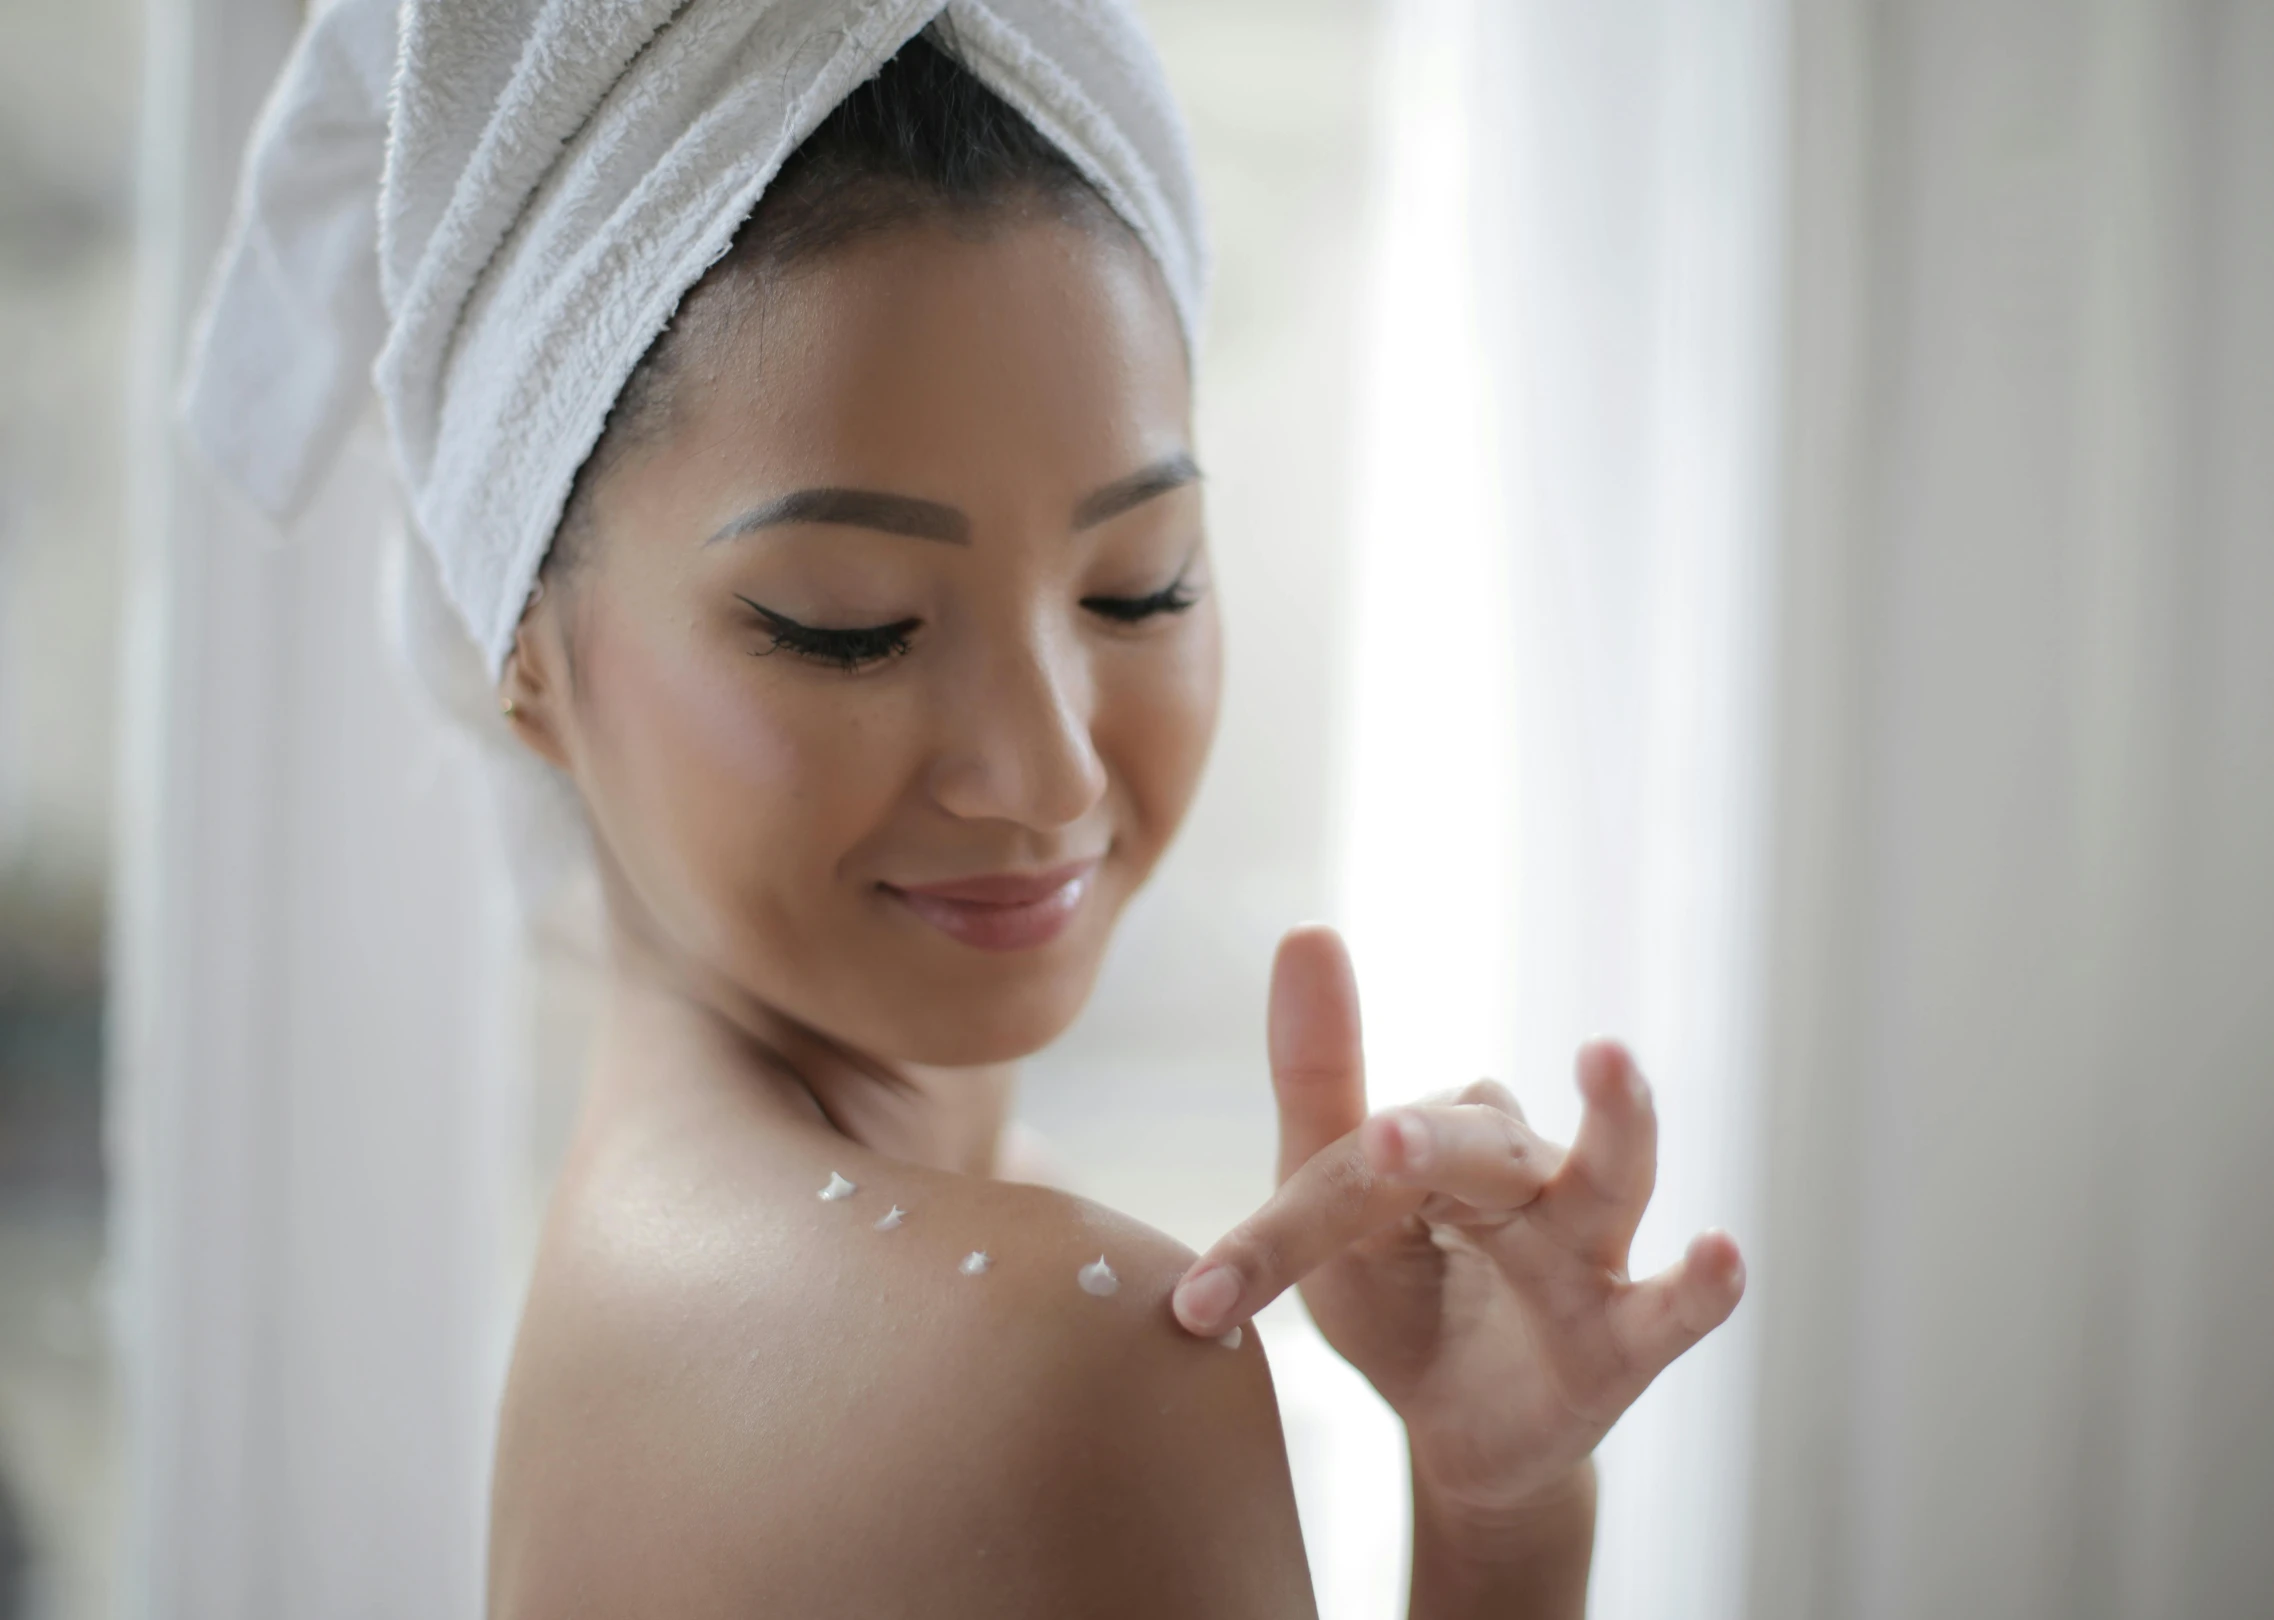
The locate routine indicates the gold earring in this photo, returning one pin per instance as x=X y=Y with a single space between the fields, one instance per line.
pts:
x=508 y=708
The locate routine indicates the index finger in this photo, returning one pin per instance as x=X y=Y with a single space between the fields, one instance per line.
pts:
x=1325 y=1206
x=1475 y=1154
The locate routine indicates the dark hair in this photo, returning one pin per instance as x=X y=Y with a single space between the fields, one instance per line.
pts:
x=925 y=140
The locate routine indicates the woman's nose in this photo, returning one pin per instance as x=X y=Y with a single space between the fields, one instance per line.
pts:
x=1017 y=744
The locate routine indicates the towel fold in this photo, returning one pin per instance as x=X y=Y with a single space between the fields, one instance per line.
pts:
x=490 y=208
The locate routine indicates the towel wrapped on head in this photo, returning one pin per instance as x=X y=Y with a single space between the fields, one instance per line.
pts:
x=489 y=209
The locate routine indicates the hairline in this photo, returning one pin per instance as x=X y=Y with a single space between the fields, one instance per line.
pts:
x=745 y=276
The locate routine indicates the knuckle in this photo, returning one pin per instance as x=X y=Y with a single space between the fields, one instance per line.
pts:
x=1499 y=1139
x=1492 y=1094
x=1346 y=1182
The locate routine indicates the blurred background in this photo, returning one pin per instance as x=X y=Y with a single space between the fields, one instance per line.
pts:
x=69 y=77
x=1743 y=524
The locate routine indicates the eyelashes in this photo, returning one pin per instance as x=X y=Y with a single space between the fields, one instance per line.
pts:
x=859 y=648
x=1173 y=598
x=840 y=649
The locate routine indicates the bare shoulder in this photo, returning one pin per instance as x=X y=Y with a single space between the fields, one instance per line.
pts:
x=752 y=1399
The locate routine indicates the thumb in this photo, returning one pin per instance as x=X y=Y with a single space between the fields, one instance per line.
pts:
x=1317 y=1070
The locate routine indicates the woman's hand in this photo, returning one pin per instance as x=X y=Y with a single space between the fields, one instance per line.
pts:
x=1472 y=1270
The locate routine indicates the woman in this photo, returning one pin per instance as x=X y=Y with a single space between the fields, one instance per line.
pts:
x=876 y=639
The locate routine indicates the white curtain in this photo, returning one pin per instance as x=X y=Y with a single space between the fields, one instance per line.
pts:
x=314 y=1140
x=1816 y=546
x=2016 y=1299
x=1553 y=826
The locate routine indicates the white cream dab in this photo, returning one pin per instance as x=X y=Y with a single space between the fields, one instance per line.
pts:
x=838 y=1188
x=975 y=1262
x=1097 y=1278
x=891 y=1218
x=1231 y=1340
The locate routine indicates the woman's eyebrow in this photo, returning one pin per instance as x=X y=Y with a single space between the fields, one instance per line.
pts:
x=1139 y=487
x=860 y=508
x=931 y=520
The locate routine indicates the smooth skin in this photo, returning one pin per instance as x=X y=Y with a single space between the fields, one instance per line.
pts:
x=729 y=1397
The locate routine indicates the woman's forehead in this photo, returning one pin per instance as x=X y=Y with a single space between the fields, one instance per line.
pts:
x=914 y=355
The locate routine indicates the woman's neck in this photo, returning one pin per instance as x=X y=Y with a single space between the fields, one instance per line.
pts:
x=660 y=1030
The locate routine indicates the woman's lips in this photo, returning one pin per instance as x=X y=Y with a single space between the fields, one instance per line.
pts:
x=1001 y=911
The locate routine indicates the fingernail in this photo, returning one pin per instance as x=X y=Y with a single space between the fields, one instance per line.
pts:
x=1206 y=1300
x=1413 y=1137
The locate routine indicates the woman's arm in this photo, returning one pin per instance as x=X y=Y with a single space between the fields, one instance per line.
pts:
x=1529 y=1565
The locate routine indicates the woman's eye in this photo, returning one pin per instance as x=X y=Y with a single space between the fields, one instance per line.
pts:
x=1174 y=598
x=840 y=649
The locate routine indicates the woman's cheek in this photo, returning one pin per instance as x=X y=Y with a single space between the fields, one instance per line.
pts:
x=756 y=779
x=1156 y=719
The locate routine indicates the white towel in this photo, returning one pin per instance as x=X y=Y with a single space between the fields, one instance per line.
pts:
x=490 y=208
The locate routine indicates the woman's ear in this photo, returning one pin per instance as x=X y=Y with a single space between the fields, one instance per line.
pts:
x=532 y=690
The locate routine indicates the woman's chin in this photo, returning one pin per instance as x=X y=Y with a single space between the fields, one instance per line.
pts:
x=1011 y=1010
x=973 y=1031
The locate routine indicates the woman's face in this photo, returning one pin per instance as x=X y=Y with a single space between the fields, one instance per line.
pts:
x=892 y=667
